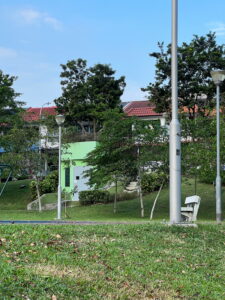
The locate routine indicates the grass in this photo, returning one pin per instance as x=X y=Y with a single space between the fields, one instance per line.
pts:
x=148 y=261
x=49 y=198
x=14 y=196
x=14 y=201
x=112 y=262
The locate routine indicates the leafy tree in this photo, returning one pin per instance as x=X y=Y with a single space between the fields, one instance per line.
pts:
x=199 y=150
x=195 y=87
x=9 y=106
x=22 y=153
x=88 y=92
x=124 y=152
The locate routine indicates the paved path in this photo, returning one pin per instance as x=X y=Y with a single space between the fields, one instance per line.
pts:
x=56 y=222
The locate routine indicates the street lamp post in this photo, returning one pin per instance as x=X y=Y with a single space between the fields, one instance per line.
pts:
x=218 y=76
x=175 y=147
x=40 y=113
x=41 y=133
x=60 y=120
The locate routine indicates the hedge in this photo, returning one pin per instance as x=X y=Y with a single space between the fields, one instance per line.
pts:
x=93 y=197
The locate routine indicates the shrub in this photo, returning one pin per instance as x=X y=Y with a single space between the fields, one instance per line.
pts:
x=93 y=197
x=152 y=181
x=47 y=185
x=50 y=183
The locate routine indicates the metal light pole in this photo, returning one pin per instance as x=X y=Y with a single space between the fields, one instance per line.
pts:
x=40 y=130
x=218 y=76
x=40 y=113
x=60 y=120
x=175 y=146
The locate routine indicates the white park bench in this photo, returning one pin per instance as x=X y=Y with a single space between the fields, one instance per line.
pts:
x=190 y=211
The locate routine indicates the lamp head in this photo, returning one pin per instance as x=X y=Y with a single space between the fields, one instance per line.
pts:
x=218 y=76
x=60 y=119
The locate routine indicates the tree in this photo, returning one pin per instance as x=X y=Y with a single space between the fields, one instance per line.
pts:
x=112 y=160
x=88 y=92
x=9 y=106
x=199 y=149
x=195 y=87
x=22 y=152
x=124 y=152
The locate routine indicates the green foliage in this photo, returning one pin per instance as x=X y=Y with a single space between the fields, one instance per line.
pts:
x=88 y=93
x=151 y=182
x=9 y=106
x=17 y=143
x=125 y=144
x=195 y=61
x=199 y=148
x=93 y=197
x=47 y=185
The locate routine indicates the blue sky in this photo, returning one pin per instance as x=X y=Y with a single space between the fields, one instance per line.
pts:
x=37 y=36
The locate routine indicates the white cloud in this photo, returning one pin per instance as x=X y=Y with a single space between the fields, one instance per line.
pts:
x=7 y=52
x=57 y=25
x=218 y=28
x=31 y=16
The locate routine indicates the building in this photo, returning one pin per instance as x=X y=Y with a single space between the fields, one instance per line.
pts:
x=144 y=110
x=73 y=166
x=73 y=155
x=35 y=114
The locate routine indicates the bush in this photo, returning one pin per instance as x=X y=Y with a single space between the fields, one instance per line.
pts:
x=47 y=185
x=93 y=197
x=50 y=183
x=151 y=182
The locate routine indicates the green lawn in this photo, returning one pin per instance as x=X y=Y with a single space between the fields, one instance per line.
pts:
x=14 y=200
x=148 y=261
x=15 y=196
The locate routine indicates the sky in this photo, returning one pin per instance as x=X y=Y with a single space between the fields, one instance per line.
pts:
x=36 y=36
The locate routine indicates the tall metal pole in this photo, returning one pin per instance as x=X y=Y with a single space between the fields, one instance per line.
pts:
x=218 y=178
x=175 y=147
x=59 y=206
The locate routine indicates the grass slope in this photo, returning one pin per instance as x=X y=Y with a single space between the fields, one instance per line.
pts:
x=127 y=210
x=15 y=197
x=112 y=262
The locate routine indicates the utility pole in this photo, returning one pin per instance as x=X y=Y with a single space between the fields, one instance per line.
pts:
x=175 y=144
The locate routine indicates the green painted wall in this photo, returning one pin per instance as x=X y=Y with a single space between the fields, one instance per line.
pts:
x=74 y=156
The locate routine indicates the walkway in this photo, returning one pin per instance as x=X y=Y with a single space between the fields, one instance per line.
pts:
x=56 y=222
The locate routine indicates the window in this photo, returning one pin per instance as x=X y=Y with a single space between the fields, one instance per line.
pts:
x=67 y=176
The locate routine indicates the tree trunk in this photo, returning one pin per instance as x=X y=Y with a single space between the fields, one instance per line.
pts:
x=153 y=207
x=38 y=194
x=141 y=198
x=139 y=185
x=115 y=199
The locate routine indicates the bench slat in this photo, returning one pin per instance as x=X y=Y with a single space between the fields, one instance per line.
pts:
x=187 y=209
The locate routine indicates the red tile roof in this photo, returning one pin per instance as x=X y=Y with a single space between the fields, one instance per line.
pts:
x=34 y=113
x=133 y=108
x=140 y=109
